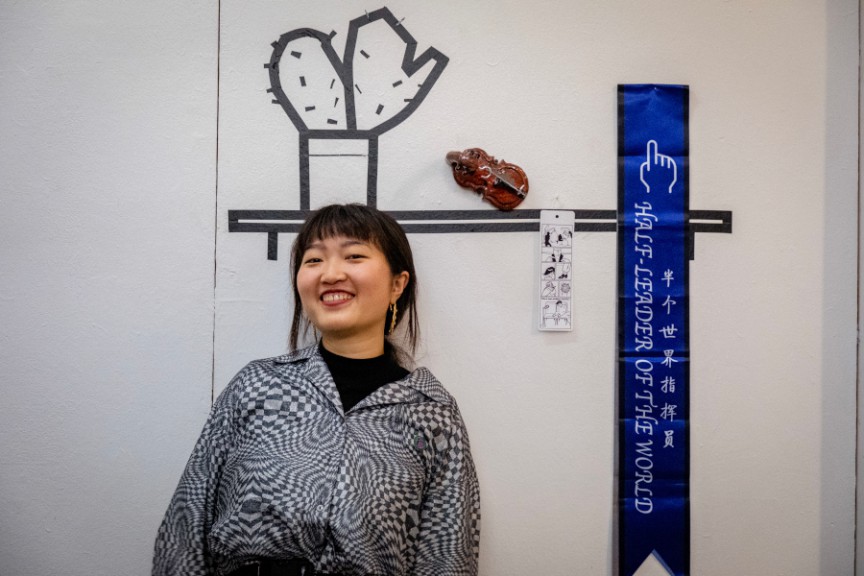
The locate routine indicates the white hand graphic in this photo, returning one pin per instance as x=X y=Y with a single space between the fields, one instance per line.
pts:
x=658 y=170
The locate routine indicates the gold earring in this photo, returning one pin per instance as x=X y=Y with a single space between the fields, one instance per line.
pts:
x=393 y=310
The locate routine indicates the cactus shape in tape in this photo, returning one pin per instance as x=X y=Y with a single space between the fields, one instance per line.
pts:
x=375 y=86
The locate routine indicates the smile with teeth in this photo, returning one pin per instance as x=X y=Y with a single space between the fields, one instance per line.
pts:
x=336 y=297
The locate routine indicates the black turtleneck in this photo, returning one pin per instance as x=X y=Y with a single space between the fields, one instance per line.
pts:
x=356 y=378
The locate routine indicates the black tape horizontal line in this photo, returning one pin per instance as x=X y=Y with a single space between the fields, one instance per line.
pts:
x=274 y=222
x=710 y=221
x=586 y=220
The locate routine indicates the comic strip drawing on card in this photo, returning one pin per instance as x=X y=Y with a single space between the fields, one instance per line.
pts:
x=556 y=255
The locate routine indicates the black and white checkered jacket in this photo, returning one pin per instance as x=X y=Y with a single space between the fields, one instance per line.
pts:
x=280 y=471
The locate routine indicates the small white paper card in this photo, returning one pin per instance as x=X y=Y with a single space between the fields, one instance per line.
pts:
x=556 y=257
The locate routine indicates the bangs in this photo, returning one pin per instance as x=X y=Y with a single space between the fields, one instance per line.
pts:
x=348 y=221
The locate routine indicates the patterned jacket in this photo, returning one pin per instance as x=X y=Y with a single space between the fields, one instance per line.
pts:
x=279 y=471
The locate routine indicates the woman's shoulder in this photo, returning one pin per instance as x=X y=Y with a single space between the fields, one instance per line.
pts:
x=422 y=380
x=265 y=371
x=439 y=413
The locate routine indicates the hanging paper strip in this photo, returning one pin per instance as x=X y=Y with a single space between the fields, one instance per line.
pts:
x=653 y=329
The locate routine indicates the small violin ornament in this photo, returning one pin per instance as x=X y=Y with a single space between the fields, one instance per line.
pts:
x=501 y=183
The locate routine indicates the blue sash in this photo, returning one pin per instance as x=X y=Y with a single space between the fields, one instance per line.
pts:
x=653 y=329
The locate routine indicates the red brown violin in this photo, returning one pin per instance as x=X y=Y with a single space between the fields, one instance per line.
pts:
x=501 y=183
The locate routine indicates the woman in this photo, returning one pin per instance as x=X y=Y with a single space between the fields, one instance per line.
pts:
x=332 y=459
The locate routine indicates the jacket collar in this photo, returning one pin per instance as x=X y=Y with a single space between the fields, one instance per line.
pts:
x=420 y=380
x=296 y=355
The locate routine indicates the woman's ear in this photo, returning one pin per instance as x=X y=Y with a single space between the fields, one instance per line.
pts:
x=400 y=281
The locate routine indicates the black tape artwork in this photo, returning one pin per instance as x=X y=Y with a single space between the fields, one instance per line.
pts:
x=366 y=102
x=356 y=99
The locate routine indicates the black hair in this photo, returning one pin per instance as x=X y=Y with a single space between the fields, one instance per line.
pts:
x=366 y=224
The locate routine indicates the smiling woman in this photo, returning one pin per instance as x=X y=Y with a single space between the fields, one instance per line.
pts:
x=346 y=289
x=332 y=459
x=353 y=273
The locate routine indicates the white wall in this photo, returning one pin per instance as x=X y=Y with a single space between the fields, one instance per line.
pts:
x=107 y=162
x=108 y=200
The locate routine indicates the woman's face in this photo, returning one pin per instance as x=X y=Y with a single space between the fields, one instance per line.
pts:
x=345 y=288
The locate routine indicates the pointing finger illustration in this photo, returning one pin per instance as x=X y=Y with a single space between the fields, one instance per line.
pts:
x=651 y=152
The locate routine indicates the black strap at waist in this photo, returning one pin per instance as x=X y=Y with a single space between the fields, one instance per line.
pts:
x=294 y=567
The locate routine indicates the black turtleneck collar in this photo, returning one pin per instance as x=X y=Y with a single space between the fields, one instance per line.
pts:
x=356 y=378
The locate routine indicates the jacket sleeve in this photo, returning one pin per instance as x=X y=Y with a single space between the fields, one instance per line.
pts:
x=181 y=543
x=449 y=538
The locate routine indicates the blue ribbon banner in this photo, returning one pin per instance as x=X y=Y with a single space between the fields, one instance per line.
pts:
x=653 y=329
